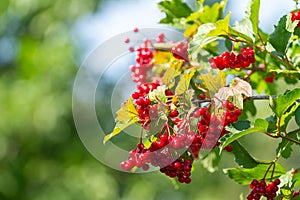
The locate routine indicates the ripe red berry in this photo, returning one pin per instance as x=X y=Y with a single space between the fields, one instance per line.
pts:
x=202 y=96
x=135 y=30
x=270 y=79
x=296 y=16
x=127 y=40
x=173 y=113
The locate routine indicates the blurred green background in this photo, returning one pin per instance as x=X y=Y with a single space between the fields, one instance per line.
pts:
x=41 y=155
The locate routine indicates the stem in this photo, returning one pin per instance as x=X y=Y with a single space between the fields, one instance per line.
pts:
x=272 y=163
x=260 y=97
x=290 y=139
x=278 y=125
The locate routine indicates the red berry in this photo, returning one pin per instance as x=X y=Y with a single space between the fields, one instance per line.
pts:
x=173 y=113
x=135 y=30
x=202 y=96
x=270 y=79
x=127 y=40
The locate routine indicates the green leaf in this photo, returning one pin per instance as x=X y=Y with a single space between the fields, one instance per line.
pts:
x=174 y=10
x=213 y=83
x=242 y=156
x=296 y=179
x=211 y=160
x=184 y=82
x=169 y=76
x=201 y=39
x=222 y=27
x=260 y=125
x=127 y=111
x=285 y=146
x=243 y=29
x=287 y=116
x=242 y=125
x=126 y=116
x=280 y=104
x=280 y=37
x=254 y=15
x=245 y=176
x=297 y=116
x=120 y=126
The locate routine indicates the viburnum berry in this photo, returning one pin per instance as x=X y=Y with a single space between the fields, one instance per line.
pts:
x=260 y=188
x=296 y=16
x=180 y=51
x=173 y=113
x=202 y=96
x=270 y=79
x=233 y=59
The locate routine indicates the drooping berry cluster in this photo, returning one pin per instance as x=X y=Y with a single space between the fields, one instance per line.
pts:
x=178 y=143
x=260 y=188
x=211 y=128
x=296 y=16
x=142 y=102
x=180 y=51
x=233 y=59
x=144 y=55
x=181 y=169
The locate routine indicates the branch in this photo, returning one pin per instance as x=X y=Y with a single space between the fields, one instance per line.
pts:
x=261 y=97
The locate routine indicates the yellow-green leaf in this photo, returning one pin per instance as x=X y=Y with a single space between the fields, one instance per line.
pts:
x=222 y=27
x=127 y=111
x=213 y=83
x=120 y=126
x=169 y=76
x=184 y=82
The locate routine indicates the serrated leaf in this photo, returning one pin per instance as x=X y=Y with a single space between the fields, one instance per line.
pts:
x=174 y=10
x=243 y=29
x=169 y=77
x=184 y=82
x=280 y=104
x=127 y=111
x=201 y=39
x=245 y=176
x=238 y=88
x=254 y=15
x=242 y=156
x=280 y=36
x=120 y=126
x=285 y=146
x=211 y=160
x=213 y=83
x=260 y=125
x=287 y=116
x=222 y=27
x=126 y=116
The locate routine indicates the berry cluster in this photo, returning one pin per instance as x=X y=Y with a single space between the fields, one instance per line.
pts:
x=181 y=169
x=260 y=188
x=139 y=71
x=160 y=154
x=296 y=16
x=142 y=102
x=176 y=146
x=211 y=128
x=180 y=51
x=233 y=60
